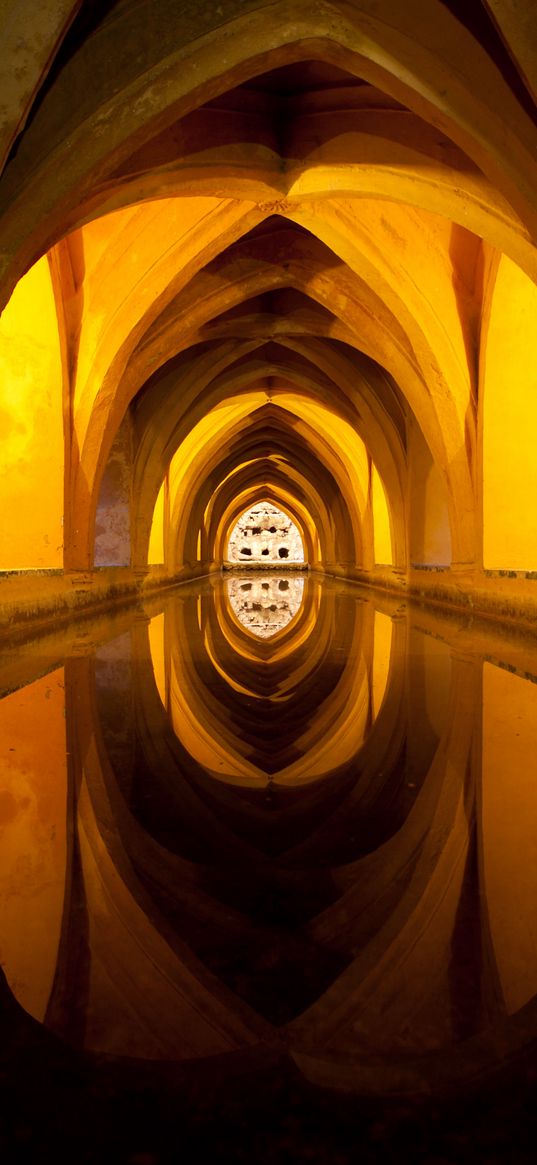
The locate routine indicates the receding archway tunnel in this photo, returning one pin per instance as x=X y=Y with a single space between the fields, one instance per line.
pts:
x=270 y=276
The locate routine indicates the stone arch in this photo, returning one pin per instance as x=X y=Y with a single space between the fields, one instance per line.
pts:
x=173 y=74
x=439 y=430
x=345 y=527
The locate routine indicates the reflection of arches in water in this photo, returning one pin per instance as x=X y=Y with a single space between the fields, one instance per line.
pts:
x=356 y=900
x=258 y=863
x=334 y=856
x=304 y=700
x=265 y=604
x=265 y=534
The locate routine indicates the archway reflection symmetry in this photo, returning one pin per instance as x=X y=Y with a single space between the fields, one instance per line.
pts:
x=298 y=835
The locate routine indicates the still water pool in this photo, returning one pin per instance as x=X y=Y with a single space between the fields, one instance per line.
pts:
x=273 y=830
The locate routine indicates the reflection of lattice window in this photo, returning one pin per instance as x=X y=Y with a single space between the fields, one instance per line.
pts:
x=265 y=604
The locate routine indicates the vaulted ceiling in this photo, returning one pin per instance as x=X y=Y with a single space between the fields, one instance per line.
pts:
x=273 y=232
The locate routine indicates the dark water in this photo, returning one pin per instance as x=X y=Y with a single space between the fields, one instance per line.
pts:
x=268 y=881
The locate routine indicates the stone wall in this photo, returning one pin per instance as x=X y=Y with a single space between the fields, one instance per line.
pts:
x=264 y=534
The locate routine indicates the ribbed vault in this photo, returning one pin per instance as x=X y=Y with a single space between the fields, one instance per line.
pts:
x=275 y=237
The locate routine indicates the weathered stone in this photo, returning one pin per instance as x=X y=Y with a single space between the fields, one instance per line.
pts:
x=264 y=532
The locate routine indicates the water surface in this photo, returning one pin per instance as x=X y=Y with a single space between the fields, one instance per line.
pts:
x=274 y=811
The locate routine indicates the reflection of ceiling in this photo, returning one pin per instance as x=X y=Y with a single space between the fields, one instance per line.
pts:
x=186 y=910
x=323 y=913
x=301 y=708
x=265 y=604
x=253 y=801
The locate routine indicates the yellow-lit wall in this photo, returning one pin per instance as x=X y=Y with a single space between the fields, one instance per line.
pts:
x=509 y=829
x=381 y=659
x=156 y=644
x=509 y=390
x=381 y=522
x=31 y=427
x=156 y=540
x=33 y=847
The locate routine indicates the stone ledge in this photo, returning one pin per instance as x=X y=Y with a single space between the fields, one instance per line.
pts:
x=509 y=597
x=33 y=599
x=504 y=596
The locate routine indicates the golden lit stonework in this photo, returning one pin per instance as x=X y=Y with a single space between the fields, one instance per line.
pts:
x=268 y=425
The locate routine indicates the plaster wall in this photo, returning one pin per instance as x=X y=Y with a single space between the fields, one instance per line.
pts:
x=509 y=388
x=156 y=538
x=33 y=837
x=382 y=535
x=508 y=828
x=31 y=426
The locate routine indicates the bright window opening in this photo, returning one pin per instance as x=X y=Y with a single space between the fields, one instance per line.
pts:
x=264 y=535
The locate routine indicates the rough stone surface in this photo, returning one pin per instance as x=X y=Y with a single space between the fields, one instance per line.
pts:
x=113 y=519
x=265 y=604
x=265 y=534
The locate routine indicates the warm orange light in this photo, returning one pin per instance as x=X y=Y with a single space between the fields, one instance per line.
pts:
x=381 y=521
x=509 y=829
x=156 y=540
x=33 y=853
x=31 y=424
x=510 y=423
